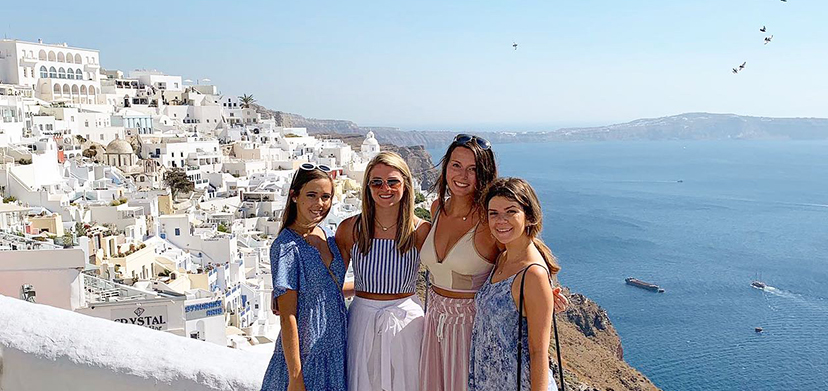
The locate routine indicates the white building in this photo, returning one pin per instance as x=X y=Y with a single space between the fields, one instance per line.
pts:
x=55 y=72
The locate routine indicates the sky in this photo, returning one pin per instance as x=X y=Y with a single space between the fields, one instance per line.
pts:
x=450 y=65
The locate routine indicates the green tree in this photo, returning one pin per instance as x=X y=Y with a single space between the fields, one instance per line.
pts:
x=223 y=228
x=176 y=179
x=419 y=198
x=247 y=100
x=423 y=213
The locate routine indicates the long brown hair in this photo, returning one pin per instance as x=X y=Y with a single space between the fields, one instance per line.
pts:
x=485 y=172
x=300 y=179
x=364 y=231
x=518 y=190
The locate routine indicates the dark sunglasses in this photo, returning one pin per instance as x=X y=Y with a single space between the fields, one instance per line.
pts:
x=392 y=183
x=464 y=139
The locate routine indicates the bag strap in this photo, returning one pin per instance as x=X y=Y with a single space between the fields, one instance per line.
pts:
x=520 y=327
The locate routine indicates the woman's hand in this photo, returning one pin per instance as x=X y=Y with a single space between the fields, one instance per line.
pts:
x=561 y=302
x=296 y=384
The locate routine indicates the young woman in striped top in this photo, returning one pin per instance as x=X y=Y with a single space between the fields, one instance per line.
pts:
x=386 y=318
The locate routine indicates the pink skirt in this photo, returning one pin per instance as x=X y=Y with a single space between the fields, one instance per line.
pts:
x=444 y=364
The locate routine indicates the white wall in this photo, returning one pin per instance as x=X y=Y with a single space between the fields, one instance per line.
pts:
x=54 y=274
x=45 y=348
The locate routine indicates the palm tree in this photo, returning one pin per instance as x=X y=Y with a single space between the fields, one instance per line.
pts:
x=247 y=100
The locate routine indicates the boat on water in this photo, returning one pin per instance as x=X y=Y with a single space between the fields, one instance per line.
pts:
x=644 y=285
x=758 y=284
x=758 y=329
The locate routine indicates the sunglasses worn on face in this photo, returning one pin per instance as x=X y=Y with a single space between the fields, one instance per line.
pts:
x=391 y=182
x=464 y=139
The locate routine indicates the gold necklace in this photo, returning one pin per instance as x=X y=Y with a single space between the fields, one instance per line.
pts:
x=384 y=228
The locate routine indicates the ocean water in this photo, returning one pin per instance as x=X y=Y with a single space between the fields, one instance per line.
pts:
x=743 y=209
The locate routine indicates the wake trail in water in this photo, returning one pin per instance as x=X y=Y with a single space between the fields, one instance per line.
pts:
x=816 y=303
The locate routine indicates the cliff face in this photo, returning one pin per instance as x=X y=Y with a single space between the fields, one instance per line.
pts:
x=689 y=126
x=592 y=352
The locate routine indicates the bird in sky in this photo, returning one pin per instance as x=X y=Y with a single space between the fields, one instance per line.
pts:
x=768 y=39
x=784 y=1
x=735 y=71
x=763 y=29
x=514 y=45
x=742 y=66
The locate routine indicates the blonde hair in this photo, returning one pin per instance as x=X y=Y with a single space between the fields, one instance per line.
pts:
x=364 y=227
x=518 y=190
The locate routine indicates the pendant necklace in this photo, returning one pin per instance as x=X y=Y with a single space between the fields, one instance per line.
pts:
x=384 y=228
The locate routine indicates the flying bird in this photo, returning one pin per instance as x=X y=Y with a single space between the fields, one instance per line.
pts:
x=742 y=66
x=514 y=45
x=768 y=39
x=735 y=71
x=784 y=1
x=763 y=29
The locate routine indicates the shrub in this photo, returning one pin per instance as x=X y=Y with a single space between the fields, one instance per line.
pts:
x=423 y=213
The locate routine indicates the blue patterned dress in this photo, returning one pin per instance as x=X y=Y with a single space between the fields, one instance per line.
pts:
x=320 y=314
x=493 y=354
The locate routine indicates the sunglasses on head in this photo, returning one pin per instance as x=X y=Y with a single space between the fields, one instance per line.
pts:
x=314 y=166
x=464 y=139
x=393 y=183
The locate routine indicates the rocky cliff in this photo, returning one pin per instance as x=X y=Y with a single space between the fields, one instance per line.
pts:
x=689 y=126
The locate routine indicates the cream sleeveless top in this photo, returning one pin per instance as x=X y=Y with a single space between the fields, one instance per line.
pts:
x=462 y=270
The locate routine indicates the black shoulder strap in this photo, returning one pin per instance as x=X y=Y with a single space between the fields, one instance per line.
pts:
x=520 y=327
x=520 y=334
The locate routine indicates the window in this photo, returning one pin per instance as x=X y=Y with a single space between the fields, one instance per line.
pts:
x=86 y=123
x=178 y=232
x=70 y=74
x=52 y=72
x=48 y=127
x=43 y=73
x=41 y=127
x=101 y=136
x=25 y=72
x=72 y=118
x=61 y=73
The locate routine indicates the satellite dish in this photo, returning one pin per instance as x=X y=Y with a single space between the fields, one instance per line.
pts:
x=188 y=81
x=206 y=80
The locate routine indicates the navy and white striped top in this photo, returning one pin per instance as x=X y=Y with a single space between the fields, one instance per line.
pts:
x=384 y=270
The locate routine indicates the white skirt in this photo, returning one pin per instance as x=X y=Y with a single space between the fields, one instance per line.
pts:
x=384 y=342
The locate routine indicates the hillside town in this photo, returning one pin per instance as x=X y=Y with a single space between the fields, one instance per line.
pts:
x=147 y=198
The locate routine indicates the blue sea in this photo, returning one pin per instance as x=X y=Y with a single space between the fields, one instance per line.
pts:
x=702 y=219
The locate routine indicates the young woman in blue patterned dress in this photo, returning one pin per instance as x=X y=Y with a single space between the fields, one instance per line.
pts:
x=515 y=219
x=308 y=271
x=382 y=243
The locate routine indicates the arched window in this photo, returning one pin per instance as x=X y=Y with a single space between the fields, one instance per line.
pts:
x=57 y=89
x=91 y=90
x=70 y=74
x=61 y=73
x=75 y=91
x=66 y=89
x=43 y=72
x=53 y=72
x=78 y=74
x=70 y=58
x=77 y=59
x=61 y=57
x=52 y=56
x=42 y=55
x=83 y=90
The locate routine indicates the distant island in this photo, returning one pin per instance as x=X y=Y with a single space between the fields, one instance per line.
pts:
x=689 y=126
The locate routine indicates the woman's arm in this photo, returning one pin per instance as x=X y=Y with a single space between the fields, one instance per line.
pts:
x=538 y=303
x=290 y=339
x=344 y=241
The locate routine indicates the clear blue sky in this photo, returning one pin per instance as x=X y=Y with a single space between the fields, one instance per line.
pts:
x=450 y=64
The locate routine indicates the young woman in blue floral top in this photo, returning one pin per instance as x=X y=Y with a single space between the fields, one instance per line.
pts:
x=308 y=272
